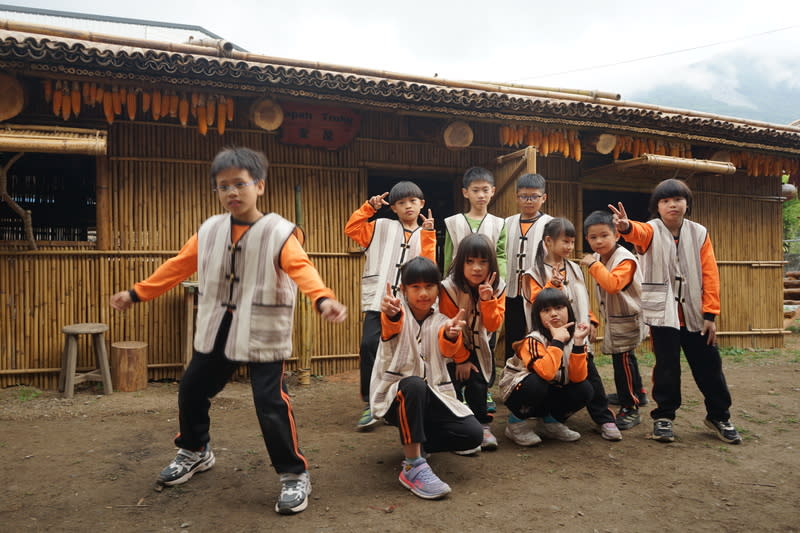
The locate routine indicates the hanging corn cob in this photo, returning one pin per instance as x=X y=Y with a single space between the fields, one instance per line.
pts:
x=174 y=100
x=57 y=96
x=165 y=104
x=47 y=87
x=146 y=97
x=101 y=91
x=123 y=98
x=131 y=104
x=183 y=110
x=116 y=99
x=108 y=107
x=202 y=124
x=66 y=101
x=193 y=106
x=92 y=100
x=222 y=112
x=230 y=108
x=156 y=105
x=75 y=96
x=211 y=110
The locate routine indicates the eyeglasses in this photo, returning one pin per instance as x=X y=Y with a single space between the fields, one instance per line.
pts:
x=238 y=186
x=532 y=198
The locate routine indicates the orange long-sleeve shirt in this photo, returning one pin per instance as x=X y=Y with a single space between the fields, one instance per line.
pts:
x=641 y=235
x=451 y=349
x=492 y=311
x=361 y=230
x=546 y=360
x=293 y=260
x=613 y=281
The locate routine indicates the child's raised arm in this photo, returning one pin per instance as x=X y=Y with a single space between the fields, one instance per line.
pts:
x=620 y=217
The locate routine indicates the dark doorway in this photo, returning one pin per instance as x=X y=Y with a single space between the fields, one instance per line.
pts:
x=439 y=191
x=598 y=199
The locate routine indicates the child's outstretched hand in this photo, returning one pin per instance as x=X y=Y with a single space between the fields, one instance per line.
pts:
x=588 y=260
x=333 y=310
x=561 y=333
x=121 y=301
x=620 y=217
x=427 y=222
x=378 y=201
x=390 y=305
x=581 y=332
x=485 y=290
x=453 y=327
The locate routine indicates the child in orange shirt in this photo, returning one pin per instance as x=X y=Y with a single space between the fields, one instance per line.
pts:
x=244 y=315
x=680 y=301
x=547 y=377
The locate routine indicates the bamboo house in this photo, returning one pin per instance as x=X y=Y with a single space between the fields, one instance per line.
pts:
x=105 y=143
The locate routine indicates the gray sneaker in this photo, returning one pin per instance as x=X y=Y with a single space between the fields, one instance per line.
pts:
x=186 y=464
x=662 y=430
x=295 y=489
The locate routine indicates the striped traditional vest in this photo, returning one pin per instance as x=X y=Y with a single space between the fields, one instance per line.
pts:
x=413 y=352
x=458 y=228
x=521 y=249
x=515 y=370
x=386 y=253
x=574 y=287
x=622 y=311
x=245 y=278
x=476 y=338
x=673 y=276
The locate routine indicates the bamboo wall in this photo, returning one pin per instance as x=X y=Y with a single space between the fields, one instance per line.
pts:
x=160 y=193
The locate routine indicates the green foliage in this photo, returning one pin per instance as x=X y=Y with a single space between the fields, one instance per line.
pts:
x=791 y=220
x=25 y=394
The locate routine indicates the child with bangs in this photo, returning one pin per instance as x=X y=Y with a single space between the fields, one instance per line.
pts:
x=553 y=269
x=410 y=385
x=474 y=285
x=388 y=244
x=547 y=376
x=680 y=302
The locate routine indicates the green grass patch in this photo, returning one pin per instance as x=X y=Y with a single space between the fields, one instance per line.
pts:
x=26 y=394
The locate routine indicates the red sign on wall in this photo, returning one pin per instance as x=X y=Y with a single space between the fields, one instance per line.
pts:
x=319 y=126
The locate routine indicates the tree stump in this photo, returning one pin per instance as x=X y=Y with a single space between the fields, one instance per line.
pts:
x=129 y=365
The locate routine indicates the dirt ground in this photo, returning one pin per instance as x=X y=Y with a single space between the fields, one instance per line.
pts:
x=89 y=464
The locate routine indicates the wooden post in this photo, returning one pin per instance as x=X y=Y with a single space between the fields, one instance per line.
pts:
x=129 y=365
x=103 y=208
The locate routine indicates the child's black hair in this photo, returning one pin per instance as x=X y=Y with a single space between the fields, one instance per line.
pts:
x=599 y=217
x=240 y=157
x=420 y=270
x=473 y=174
x=554 y=229
x=670 y=188
x=474 y=245
x=404 y=189
x=531 y=181
x=551 y=298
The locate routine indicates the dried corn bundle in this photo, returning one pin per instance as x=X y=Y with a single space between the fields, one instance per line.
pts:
x=174 y=100
x=57 y=96
x=211 y=110
x=108 y=106
x=66 y=101
x=156 y=104
x=202 y=124
x=101 y=91
x=222 y=113
x=75 y=96
x=183 y=110
x=230 y=108
x=116 y=99
x=165 y=104
x=131 y=104
x=47 y=87
x=146 y=98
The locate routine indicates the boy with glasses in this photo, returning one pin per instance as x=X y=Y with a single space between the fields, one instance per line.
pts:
x=245 y=312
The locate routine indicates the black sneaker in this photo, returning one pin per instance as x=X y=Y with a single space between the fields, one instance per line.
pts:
x=613 y=398
x=662 y=430
x=186 y=464
x=627 y=418
x=295 y=489
x=724 y=430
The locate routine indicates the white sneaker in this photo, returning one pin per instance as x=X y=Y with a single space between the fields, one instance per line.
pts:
x=610 y=431
x=522 y=433
x=295 y=489
x=557 y=431
x=489 y=440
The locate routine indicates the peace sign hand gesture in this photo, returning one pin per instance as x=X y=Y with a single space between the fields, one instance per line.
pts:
x=453 y=327
x=390 y=305
x=378 y=201
x=427 y=222
x=620 y=217
x=485 y=289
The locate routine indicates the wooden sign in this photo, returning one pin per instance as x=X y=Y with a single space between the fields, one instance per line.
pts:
x=318 y=126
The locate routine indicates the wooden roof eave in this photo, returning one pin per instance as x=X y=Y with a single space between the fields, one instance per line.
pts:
x=46 y=139
x=660 y=166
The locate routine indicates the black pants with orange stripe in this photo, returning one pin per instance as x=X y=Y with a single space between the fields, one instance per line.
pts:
x=424 y=418
x=627 y=379
x=207 y=375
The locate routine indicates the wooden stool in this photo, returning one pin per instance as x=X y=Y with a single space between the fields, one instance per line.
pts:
x=69 y=358
x=129 y=365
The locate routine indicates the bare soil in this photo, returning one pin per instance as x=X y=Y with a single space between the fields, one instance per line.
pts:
x=89 y=464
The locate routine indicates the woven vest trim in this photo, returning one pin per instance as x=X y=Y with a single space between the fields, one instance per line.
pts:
x=521 y=253
x=475 y=335
x=673 y=275
x=386 y=253
x=413 y=352
x=623 y=308
x=247 y=279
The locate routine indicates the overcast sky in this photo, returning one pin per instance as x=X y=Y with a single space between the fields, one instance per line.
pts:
x=554 y=43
